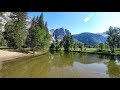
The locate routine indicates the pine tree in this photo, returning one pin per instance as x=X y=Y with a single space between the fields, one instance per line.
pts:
x=37 y=20
x=36 y=35
x=34 y=22
x=15 y=30
x=46 y=27
x=41 y=21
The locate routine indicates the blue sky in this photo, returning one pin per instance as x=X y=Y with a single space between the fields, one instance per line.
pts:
x=78 y=22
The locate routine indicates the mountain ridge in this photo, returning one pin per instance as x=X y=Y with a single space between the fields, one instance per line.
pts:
x=85 y=37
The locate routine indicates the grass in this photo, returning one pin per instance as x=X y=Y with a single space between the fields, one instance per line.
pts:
x=88 y=50
x=4 y=47
x=94 y=51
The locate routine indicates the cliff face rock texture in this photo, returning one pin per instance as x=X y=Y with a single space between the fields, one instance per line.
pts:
x=6 y=18
x=59 y=33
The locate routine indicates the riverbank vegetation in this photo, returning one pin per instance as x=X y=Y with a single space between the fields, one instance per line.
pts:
x=17 y=38
x=37 y=38
x=112 y=47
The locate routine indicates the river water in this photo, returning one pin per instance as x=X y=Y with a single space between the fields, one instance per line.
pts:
x=62 y=65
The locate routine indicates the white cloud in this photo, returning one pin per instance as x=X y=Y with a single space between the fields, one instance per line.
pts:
x=86 y=19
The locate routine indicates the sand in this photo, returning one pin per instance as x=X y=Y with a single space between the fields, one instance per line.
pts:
x=8 y=55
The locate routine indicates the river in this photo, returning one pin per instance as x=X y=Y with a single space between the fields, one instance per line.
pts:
x=62 y=65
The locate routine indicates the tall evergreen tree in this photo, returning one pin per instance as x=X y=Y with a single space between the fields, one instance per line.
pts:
x=34 y=23
x=38 y=38
x=15 y=30
x=36 y=35
x=41 y=21
x=37 y=20
x=46 y=27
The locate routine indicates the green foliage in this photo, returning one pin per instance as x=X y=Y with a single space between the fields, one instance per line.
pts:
x=19 y=35
x=61 y=44
x=75 y=46
x=9 y=35
x=41 y=21
x=38 y=37
x=52 y=46
x=68 y=42
x=46 y=40
x=46 y=28
x=14 y=34
x=14 y=30
x=106 y=47
x=34 y=22
x=101 y=46
x=113 y=34
x=81 y=46
x=19 y=17
x=1 y=15
x=27 y=41
x=2 y=40
x=57 y=46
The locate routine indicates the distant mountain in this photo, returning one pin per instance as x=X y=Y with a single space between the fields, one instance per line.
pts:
x=103 y=34
x=59 y=33
x=90 y=38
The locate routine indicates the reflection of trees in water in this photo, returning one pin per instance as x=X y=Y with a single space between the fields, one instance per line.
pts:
x=30 y=67
x=63 y=59
x=39 y=66
x=118 y=58
x=113 y=69
x=87 y=58
x=112 y=57
x=102 y=57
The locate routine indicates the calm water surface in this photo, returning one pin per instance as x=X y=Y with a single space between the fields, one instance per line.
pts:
x=62 y=65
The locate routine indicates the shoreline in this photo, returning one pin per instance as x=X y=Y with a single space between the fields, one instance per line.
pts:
x=9 y=55
x=94 y=52
x=6 y=55
x=100 y=53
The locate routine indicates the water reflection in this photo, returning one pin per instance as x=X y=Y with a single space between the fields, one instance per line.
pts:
x=62 y=65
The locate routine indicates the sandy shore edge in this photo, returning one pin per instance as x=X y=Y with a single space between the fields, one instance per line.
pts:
x=8 y=55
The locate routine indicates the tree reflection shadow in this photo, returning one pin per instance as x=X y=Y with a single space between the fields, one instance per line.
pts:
x=113 y=67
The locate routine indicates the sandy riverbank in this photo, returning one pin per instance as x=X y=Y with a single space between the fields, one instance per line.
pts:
x=7 y=55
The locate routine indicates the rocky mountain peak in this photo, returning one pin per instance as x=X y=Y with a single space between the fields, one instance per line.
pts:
x=59 y=33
